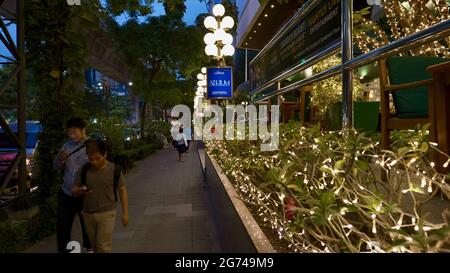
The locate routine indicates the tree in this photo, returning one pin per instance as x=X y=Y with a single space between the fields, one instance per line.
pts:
x=9 y=97
x=56 y=54
x=167 y=98
x=403 y=18
x=164 y=49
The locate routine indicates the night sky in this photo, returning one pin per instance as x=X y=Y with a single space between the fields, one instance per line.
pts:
x=193 y=9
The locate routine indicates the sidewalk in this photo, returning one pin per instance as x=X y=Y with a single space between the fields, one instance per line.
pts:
x=168 y=209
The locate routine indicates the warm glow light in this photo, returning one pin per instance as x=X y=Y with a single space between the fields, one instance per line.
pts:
x=219 y=34
x=227 y=23
x=218 y=10
x=228 y=50
x=209 y=38
x=211 y=50
x=200 y=76
x=227 y=39
x=210 y=23
x=201 y=83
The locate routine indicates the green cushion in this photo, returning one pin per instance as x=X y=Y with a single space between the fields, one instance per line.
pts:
x=412 y=102
x=412 y=115
x=290 y=98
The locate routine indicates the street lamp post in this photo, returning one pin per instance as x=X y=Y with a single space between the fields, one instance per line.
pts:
x=201 y=90
x=218 y=41
x=199 y=95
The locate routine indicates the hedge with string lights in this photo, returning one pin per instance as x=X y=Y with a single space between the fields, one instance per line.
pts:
x=403 y=18
x=322 y=191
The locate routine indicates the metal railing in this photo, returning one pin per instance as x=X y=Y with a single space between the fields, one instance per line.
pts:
x=426 y=36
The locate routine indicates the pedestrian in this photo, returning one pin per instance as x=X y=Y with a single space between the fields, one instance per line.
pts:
x=175 y=127
x=98 y=182
x=181 y=144
x=69 y=159
x=188 y=133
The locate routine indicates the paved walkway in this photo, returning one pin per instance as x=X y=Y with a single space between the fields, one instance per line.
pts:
x=168 y=207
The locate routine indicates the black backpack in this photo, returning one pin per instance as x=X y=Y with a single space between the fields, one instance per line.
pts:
x=117 y=172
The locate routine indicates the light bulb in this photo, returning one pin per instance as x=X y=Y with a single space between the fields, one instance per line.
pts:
x=211 y=50
x=219 y=34
x=200 y=76
x=201 y=83
x=204 y=70
x=209 y=38
x=227 y=39
x=210 y=22
x=228 y=50
x=218 y=10
x=227 y=22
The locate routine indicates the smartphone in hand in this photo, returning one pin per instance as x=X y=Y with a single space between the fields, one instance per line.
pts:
x=85 y=190
x=62 y=154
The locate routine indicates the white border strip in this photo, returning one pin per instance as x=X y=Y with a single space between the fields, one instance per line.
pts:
x=258 y=237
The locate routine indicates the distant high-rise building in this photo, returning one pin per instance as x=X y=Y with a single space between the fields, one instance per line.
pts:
x=96 y=80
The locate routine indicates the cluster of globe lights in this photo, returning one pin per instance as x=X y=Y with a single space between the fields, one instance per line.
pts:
x=201 y=88
x=218 y=42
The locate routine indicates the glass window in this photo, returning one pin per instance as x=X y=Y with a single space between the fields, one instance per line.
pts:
x=31 y=140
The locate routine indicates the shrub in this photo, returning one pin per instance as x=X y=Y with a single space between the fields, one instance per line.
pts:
x=157 y=133
x=329 y=91
x=127 y=158
x=322 y=192
x=112 y=131
x=14 y=235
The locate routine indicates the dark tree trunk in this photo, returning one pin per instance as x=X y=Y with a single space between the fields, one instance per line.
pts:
x=143 y=118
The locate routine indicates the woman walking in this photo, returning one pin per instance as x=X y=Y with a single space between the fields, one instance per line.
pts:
x=181 y=144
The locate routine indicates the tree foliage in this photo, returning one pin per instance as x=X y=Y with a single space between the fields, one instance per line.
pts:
x=56 y=54
x=158 y=55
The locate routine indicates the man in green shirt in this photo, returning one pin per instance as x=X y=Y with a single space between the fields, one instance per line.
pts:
x=98 y=189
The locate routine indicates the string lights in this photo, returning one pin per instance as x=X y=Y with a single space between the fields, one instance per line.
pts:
x=329 y=91
x=404 y=18
x=343 y=207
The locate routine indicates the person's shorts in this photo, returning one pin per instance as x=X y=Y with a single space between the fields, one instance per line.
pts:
x=181 y=148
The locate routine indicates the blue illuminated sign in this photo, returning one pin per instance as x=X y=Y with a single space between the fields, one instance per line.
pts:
x=220 y=82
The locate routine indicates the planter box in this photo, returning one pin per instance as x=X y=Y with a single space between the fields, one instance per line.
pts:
x=238 y=231
x=365 y=116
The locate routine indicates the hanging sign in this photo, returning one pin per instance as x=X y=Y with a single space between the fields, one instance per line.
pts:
x=220 y=82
